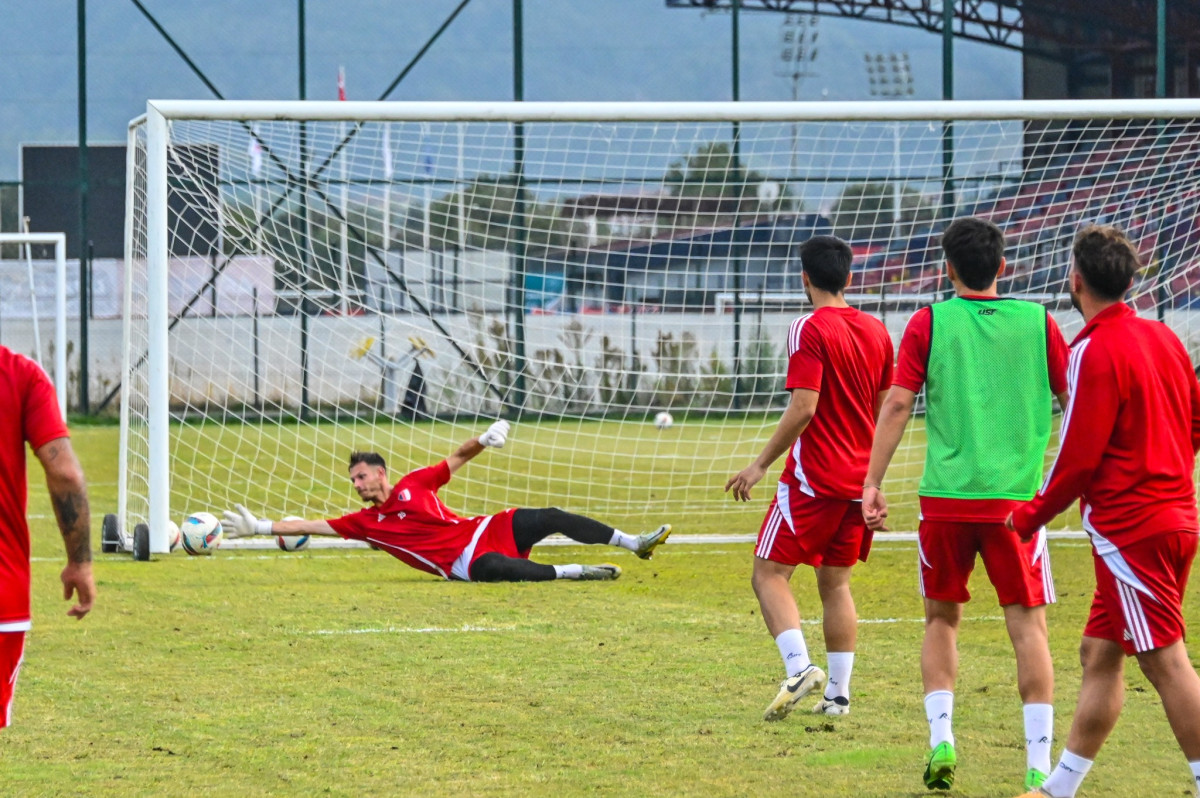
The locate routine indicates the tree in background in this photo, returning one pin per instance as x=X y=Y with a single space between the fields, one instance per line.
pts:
x=863 y=212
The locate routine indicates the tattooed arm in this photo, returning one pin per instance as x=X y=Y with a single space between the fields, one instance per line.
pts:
x=68 y=492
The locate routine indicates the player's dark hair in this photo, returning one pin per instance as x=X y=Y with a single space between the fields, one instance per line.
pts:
x=826 y=260
x=1106 y=259
x=370 y=458
x=975 y=248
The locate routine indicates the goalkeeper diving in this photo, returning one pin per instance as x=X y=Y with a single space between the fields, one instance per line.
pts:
x=409 y=521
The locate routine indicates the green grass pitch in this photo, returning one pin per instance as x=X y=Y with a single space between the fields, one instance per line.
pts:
x=341 y=672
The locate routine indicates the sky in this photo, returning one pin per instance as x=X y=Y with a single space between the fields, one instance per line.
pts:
x=594 y=50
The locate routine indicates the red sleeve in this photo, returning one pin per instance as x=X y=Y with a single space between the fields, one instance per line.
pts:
x=348 y=526
x=41 y=420
x=914 y=351
x=1057 y=355
x=889 y=361
x=806 y=366
x=431 y=477
x=1086 y=428
x=1195 y=411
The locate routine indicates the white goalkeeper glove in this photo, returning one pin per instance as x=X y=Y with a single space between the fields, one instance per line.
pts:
x=496 y=435
x=241 y=523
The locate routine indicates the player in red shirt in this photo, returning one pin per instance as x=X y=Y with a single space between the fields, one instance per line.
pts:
x=1128 y=444
x=989 y=373
x=409 y=521
x=29 y=415
x=839 y=366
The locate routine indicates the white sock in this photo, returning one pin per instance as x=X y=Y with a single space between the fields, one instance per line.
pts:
x=1066 y=778
x=939 y=711
x=840 y=665
x=1195 y=766
x=794 y=651
x=571 y=571
x=623 y=540
x=1039 y=730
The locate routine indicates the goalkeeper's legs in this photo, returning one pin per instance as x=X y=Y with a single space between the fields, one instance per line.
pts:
x=534 y=526
x=495 y=567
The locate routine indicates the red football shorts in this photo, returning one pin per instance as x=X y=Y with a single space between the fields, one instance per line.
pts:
x=1139 y=592
x=12 y=652
x=1019 y=571
x=497 y=538
x=802 y=529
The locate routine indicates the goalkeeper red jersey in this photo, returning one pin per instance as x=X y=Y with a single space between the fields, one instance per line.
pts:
x=413 y=525
x=28 y=415
x=1129 y=434
x=846 y=356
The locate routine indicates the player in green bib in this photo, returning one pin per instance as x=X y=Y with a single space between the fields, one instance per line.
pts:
x=990 y=367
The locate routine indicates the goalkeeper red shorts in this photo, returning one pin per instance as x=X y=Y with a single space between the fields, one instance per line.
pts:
x=1139 y=592
x=806 y=530
x=12 y=652
x=1020 y=571
x=494 y=534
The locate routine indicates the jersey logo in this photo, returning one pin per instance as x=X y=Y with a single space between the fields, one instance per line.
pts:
x=382 y=516
x=986 y=311
x=403 y=495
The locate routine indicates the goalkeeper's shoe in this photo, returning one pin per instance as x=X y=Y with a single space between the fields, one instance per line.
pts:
x=838 y=705
x=605 y=572
x=939 y=767
x=647 y=542
x=792 y=691
x=1034 y=778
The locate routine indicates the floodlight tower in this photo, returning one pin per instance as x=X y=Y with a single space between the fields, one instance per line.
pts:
x=889 y=76
x=797 y=52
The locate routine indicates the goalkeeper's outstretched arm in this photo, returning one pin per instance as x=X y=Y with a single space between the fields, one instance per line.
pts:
x=495 y=437
x=242 y=523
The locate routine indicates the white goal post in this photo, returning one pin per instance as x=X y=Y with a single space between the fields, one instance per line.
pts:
x=309 y=278
x=27 y=268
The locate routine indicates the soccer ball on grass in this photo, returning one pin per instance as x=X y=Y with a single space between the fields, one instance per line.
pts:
x=200 y=533
x=663 y=420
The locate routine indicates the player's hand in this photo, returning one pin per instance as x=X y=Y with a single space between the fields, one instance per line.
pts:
x=496 y=435
x=874 y=508
x=1025 y=537
x=78 y=582
x=241 y=523
x=741 y=482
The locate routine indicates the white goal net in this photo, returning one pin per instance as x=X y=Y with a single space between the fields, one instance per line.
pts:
x=310 y=279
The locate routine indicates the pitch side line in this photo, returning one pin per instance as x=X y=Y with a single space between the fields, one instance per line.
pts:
x=468 y=628
x=557 y=540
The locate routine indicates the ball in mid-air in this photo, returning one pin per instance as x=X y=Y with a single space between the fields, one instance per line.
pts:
x=292 y=542
x=663 y=420
x=200 y=533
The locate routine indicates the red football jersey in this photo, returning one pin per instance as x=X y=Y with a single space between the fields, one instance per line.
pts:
x=846 y=356
x=1129 y=434
x=413 y=525
x=28 y=414
x=913 y=361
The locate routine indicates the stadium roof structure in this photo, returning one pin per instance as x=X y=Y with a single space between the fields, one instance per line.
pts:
x=1057 y=29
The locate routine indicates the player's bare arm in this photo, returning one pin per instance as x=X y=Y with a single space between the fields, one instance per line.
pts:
x=68 y=493
x=241 y=523
x=801 y=407
x=893 y=418
x=495 y=437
